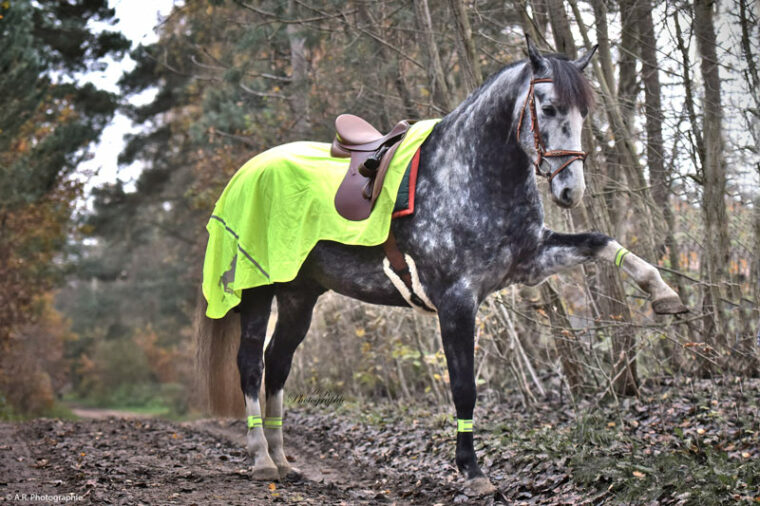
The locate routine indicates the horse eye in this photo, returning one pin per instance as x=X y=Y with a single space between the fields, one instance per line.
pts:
x=584 y=112
x=549 y=110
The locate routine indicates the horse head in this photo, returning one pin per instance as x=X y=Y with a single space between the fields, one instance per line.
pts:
x=557 y=100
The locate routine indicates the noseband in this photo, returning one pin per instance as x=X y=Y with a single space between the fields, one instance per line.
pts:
x=538 y=142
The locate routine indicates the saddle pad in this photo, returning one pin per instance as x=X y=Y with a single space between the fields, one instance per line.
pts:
x=406 y=192
x=278 y=206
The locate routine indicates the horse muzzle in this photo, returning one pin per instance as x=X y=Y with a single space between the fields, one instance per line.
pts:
x=567 y=195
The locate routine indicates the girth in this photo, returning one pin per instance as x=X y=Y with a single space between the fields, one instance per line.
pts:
x=401 y=268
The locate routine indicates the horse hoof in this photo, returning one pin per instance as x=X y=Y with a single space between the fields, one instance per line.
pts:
x=289 y=473
x=669 y=305
x=480 y=486
x=265 y=473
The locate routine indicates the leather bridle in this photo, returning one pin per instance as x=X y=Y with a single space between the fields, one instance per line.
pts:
x=538 y=142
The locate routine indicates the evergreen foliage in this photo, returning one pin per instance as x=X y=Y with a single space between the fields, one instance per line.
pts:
x=48 y=122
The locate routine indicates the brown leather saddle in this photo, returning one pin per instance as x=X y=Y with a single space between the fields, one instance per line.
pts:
x=370 y=152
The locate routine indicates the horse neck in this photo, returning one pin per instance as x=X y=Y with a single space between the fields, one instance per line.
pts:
x=476 y=144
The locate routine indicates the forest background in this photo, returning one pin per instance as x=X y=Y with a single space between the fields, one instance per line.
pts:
x=97 y=284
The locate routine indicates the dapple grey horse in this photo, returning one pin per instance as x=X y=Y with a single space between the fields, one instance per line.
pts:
x=478 y=227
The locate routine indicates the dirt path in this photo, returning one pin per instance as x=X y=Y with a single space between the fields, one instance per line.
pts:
x=139 y=461
x=100 y=414
x=690 y=444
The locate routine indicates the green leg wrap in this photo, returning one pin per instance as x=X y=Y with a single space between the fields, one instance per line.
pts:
x=464 y=425
x=273 y=422
x=254 y=421
x=619 y=256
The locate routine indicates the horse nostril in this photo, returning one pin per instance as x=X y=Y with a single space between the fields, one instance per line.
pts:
x=565 y=196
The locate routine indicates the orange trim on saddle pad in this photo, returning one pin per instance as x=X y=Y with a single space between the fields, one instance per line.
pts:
x=412 y=187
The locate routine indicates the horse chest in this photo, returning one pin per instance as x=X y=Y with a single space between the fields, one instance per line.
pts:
x=480 y=243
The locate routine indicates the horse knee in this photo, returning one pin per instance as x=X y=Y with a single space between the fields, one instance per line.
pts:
x=250 y=366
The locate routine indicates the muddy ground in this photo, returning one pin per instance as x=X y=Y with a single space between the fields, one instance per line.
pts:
x=686 y=444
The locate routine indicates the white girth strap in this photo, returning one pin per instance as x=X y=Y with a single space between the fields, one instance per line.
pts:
x=419 y=291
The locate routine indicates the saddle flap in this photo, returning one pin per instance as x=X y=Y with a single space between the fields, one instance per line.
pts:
x=357 y=194
x=337 y=151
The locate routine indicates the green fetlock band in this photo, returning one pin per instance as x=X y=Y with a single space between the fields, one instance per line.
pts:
x=273 y=422
x=619 y=256
x=254 y=421
x=464 y=425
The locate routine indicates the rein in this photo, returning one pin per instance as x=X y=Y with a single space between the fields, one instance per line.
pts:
x=538 y=142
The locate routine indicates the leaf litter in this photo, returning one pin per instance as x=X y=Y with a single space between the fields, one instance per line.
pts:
x=695 y=442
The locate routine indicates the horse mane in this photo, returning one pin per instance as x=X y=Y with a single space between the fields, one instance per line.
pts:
x=570 y=85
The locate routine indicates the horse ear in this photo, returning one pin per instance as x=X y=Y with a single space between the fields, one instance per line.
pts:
x=581 y=62
x=536 y=60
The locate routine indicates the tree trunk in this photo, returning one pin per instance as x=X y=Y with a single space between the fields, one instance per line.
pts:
x=603 y=39
x=698 y=160
x=563 y=36
x=627 y=81
x=615 y=176
x=609 y=295
x=625 y=150
x=468 y=57
x=436 y=76
x=410 y=110
x=299 y=88
x=564 y=338
x=658 y=176
x=753 y=82
x=653 y=110
x=540 y=14
x=713 y=204
x=606 y=286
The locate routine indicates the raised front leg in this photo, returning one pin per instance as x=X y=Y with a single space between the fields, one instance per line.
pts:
x=456 y=314
x=562 y=251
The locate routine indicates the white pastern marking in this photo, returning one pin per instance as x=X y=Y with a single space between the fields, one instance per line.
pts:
x=252 y=407
x=274 y=434
x=256 y=442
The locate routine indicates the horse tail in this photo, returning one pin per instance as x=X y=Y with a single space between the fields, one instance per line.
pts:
x=216 y=347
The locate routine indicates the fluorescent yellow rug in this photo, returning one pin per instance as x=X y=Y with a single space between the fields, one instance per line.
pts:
x=278 y=206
